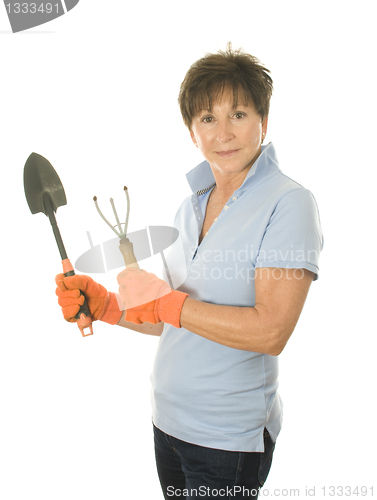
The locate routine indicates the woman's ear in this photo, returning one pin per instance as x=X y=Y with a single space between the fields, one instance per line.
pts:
x=193 y=138
x=264 y=126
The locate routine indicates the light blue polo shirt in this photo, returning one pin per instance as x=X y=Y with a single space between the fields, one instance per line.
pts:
x=203 y=392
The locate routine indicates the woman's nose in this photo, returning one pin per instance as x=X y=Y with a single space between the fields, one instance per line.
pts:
x=224 y=131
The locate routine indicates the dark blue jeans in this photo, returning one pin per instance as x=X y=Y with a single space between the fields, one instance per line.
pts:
x=188 y=471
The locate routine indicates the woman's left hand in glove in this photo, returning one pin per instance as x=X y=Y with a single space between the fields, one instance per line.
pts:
x=147 y=298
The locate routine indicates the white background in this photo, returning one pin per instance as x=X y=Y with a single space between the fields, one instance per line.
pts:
x=95 y=92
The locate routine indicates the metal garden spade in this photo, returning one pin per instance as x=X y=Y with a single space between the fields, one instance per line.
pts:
x=45 y=193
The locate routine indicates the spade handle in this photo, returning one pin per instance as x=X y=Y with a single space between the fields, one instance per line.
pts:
x=83 y=316
x=127 y=250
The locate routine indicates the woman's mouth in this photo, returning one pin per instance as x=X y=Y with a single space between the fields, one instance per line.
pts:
x=227 y=154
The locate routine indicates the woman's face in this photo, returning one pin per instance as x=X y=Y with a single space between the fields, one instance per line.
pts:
x=229 y=138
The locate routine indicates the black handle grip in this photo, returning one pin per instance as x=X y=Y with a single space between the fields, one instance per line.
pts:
x=82 y=322
x=84 y=309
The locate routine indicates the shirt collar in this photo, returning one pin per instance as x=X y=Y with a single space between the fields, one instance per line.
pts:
x=201 y=178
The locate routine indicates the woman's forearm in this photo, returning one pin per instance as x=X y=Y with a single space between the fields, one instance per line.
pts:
x=264 y=328
x=237 y=327
x=226 y=325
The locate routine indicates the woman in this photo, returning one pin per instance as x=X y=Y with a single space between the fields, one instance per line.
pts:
x=251 y=238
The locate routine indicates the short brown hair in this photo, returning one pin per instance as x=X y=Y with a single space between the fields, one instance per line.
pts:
x=207 y=78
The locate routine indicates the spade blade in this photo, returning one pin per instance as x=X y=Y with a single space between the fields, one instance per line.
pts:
x=41 y=179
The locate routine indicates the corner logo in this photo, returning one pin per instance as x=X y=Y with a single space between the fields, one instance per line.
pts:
x=25 y=15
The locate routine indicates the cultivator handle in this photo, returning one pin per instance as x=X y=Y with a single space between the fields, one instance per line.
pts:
x=127 y=249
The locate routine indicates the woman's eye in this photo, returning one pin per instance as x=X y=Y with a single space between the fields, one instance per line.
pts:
x=239 y=115
x=207 y=119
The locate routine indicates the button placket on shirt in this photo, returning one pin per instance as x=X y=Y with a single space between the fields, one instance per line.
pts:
x=198 y=212
x=226 y=207
x=198 y=215
x=199 y=219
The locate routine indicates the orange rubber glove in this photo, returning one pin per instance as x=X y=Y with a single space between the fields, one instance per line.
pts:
x=147 y=298
x=103 y=305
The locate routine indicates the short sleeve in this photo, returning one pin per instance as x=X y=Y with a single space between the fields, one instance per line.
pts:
x=293 y=237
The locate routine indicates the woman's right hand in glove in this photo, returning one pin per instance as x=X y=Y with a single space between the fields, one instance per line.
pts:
x=103 y=305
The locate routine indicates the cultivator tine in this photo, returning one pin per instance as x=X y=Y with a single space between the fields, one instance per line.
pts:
x=122 y=233
x=126 y=246
x=116 y=216
x=104 y=218
x=128 y=210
